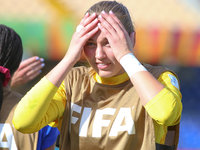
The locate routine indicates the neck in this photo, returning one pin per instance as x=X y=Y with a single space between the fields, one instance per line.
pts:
x=111 y=80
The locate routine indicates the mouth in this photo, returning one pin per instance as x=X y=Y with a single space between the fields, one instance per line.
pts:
x=102 y=65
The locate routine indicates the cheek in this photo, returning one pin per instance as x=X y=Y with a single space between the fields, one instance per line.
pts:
x=89 y=53
x=110 y=55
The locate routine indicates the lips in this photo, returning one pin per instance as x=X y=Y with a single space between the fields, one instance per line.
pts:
x=102 y=65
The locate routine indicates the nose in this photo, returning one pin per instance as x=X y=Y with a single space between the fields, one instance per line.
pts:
x=100 y=54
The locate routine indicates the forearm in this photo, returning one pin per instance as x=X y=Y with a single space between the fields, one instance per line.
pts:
x=161 y=97
x=162 y=103
x=31 y=112
x=146 y=85
x=59 y=72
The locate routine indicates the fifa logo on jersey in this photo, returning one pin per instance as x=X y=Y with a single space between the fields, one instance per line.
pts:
x=6 y=137
x=124 y=114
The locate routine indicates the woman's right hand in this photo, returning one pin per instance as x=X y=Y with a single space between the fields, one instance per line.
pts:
x=79 y=38
x=88 y=28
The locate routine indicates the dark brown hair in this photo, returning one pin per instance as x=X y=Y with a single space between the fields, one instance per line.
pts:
x=10 y=53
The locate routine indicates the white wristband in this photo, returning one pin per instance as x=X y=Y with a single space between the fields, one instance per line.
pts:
x=131 y=65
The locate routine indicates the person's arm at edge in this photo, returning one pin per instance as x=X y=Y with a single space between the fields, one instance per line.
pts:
x=146 y=85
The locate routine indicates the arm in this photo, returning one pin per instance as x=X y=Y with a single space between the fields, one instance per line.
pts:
x=122 y=44
x=39 y=106
x=28 y=70
x=74 y=51
x=146 y=85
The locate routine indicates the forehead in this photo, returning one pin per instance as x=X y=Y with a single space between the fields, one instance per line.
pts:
x=99 y=36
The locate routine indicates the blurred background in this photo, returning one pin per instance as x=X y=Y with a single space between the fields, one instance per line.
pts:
x=167 y=33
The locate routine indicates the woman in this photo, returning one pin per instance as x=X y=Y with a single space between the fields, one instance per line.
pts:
x=117 y=103
x=10 y=57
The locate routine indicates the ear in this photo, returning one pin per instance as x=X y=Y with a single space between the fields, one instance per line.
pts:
x=132 y=36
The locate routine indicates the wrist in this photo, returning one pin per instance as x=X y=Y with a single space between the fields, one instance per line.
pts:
x=131 y=64
x=70 y=60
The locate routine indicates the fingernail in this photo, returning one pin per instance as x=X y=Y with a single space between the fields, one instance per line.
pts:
x=100 y=16
x=86 y=14
x=37 y=58
x=103 y=12
x=93 y=14
x=97 y=28
x=110 y=12
x=42 y=65
x=99 y=24
x=41 y=60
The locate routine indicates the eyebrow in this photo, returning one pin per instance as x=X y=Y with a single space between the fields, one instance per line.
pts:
x=90 y=40
x=105 y=39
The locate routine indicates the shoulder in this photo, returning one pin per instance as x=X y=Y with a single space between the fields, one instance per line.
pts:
x=164 y=75
x=156 y=71
x=78 y=72
x=81 y=69
x=169 y=78
x=10 y=101
x=77 y=75
x=9 y=94
x=11 y=98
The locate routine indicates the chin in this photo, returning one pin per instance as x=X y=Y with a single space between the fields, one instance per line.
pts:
x=105 y=74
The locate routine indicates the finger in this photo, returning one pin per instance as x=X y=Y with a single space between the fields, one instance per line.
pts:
x=111 y=14
x=86 y=16
x=89 y=19
x=89 y=34
x=26 y=78
x=114 y=22
x=85 y=22
x=32 y=74
x=89 y=27
x=105 y=26
x=29 y=61
x=36 y=66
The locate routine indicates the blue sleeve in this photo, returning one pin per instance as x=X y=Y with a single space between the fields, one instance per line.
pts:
x=47 y=136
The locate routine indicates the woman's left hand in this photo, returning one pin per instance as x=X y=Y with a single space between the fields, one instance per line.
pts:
x=118 y=38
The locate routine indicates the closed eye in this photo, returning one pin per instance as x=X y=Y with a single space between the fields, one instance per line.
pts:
x=107 y=44
x=90 y=44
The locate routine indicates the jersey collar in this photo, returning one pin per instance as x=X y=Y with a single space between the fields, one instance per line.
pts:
x=112 y=80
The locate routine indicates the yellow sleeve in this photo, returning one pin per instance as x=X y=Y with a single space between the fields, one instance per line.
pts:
x=166 y=107
x=43 y=104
